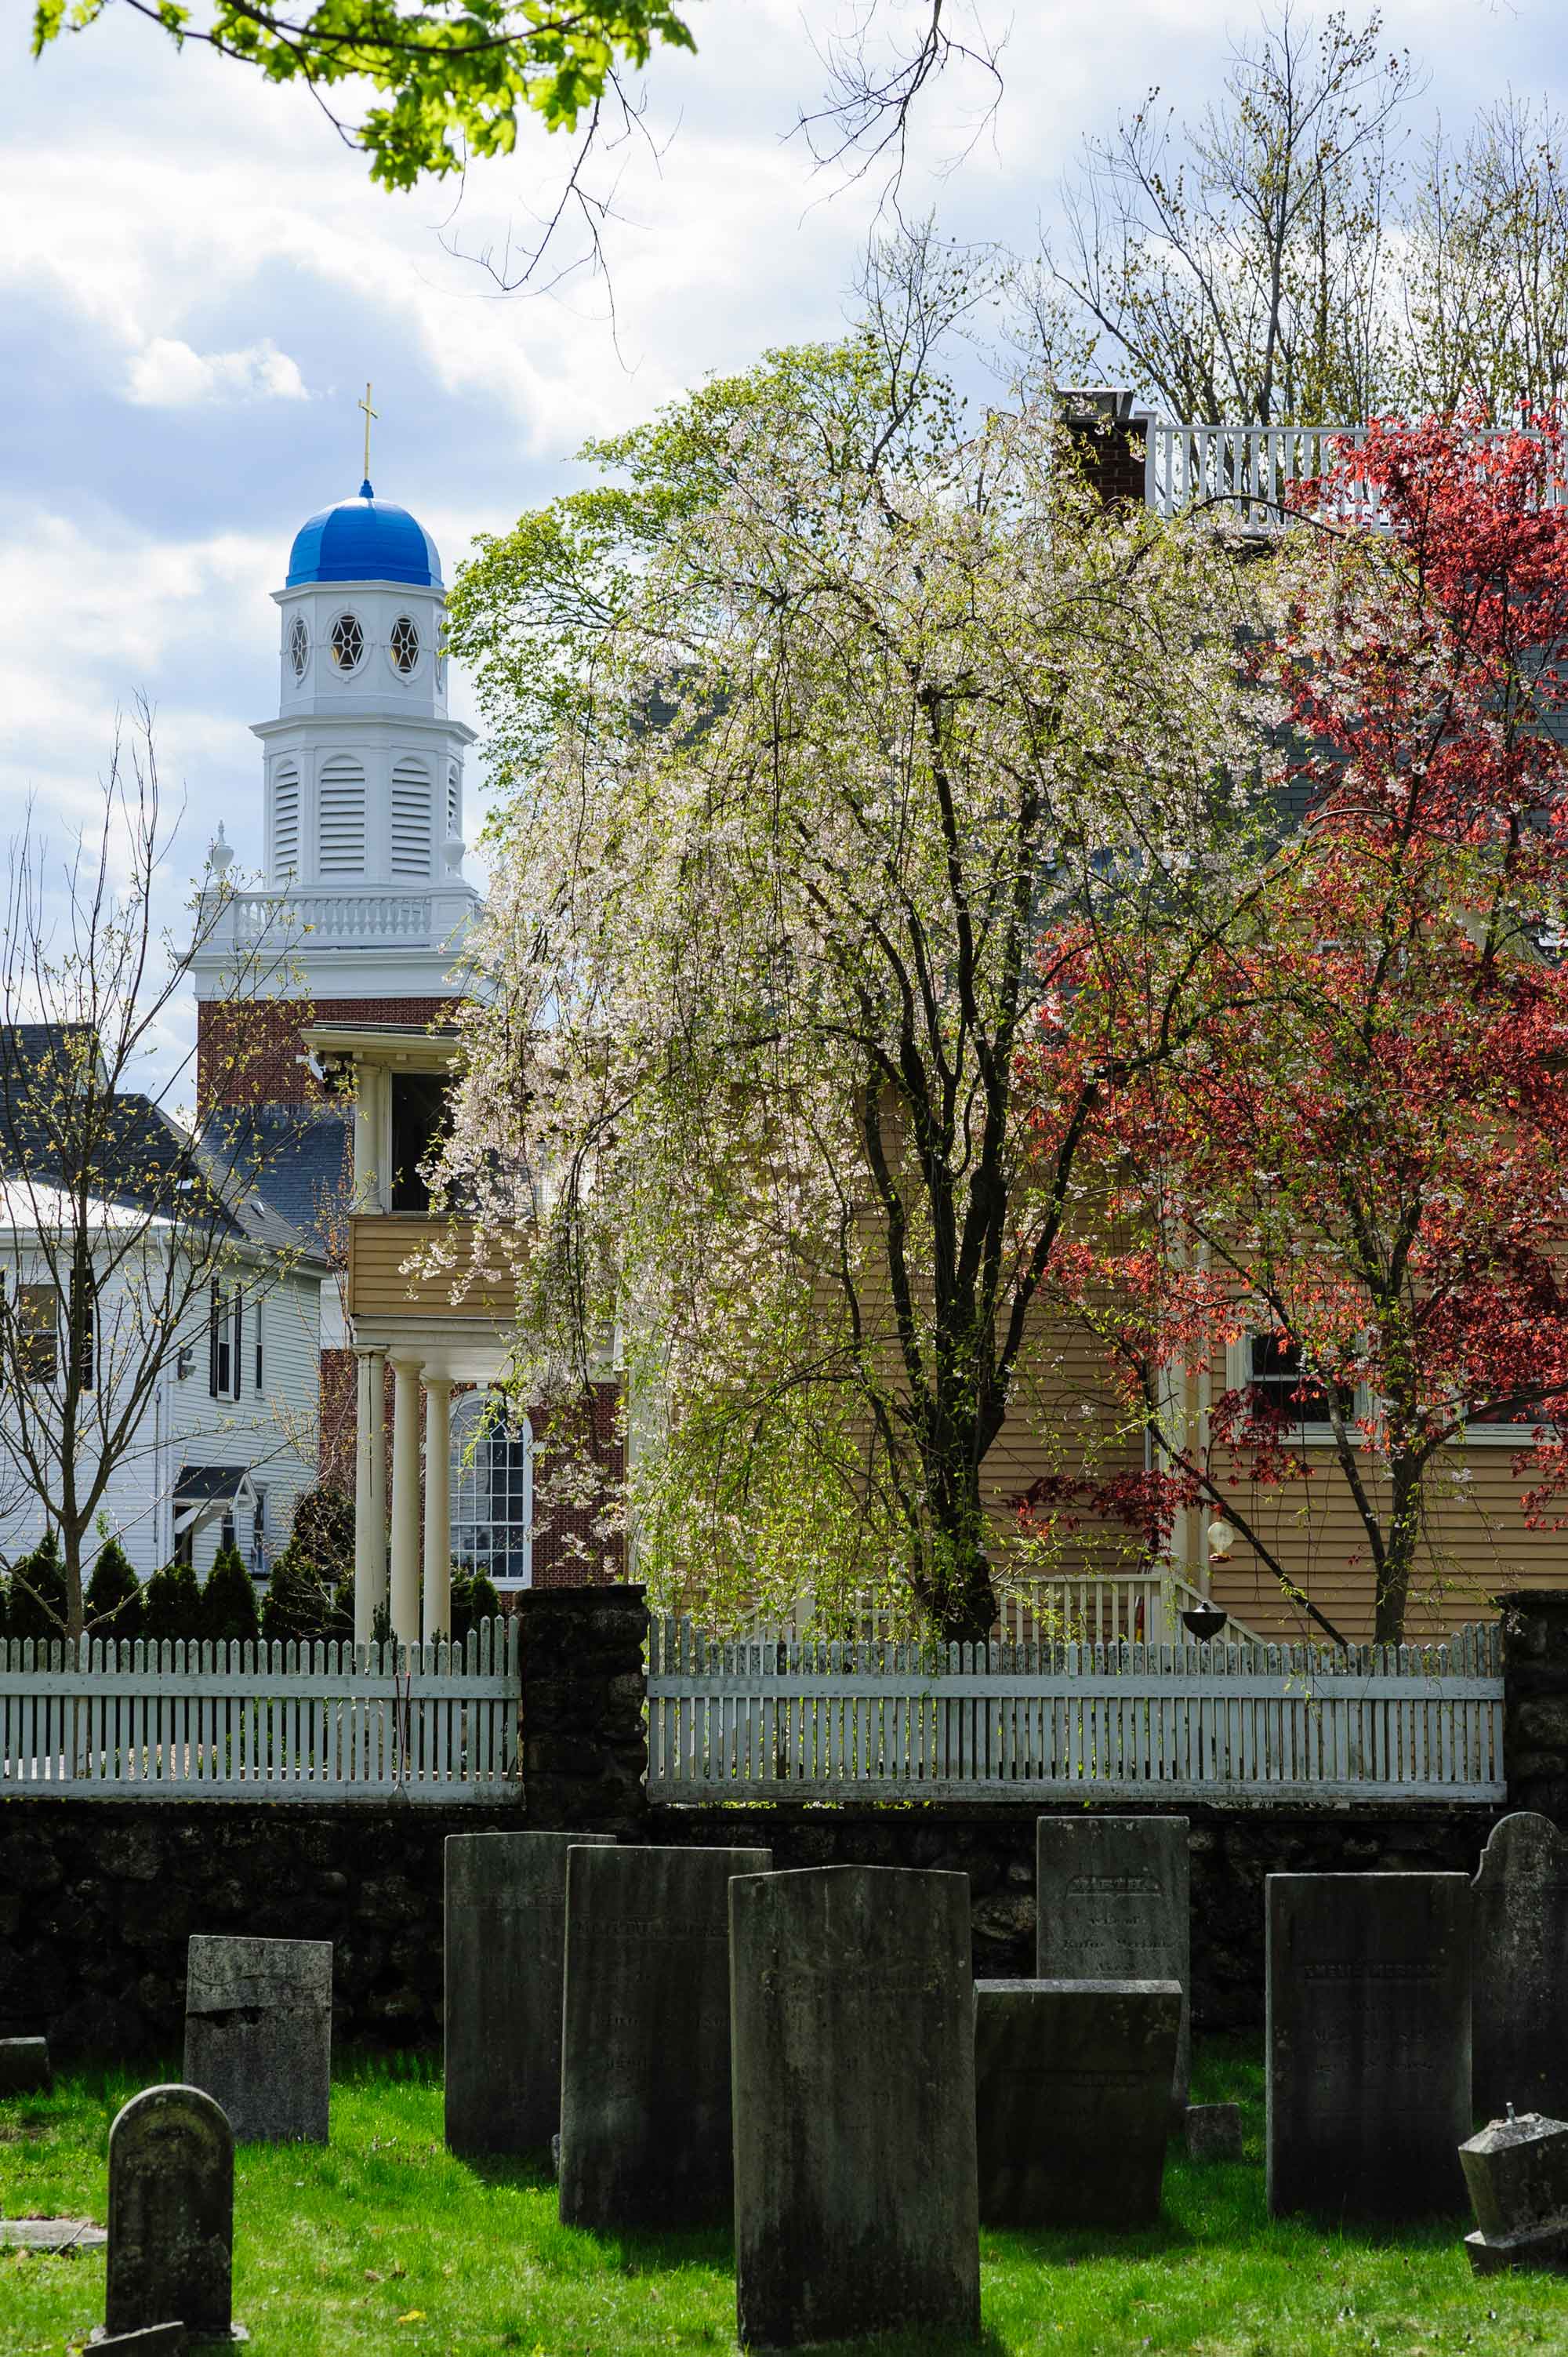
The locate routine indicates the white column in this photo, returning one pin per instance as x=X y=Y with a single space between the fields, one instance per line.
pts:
x=370 y=1493
x=437 y=1507
x=406 y=1501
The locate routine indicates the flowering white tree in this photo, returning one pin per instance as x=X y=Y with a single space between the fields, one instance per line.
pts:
x=828 y=729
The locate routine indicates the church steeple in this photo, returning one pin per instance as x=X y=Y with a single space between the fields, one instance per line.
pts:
x=363 y=786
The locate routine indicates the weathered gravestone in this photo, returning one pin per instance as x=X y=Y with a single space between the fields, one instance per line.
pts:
x=1519 y=1939
x=171 y=2215
x=24 y=2066
x=645 y=2050
x=505 y=1944
x=1369 y=2042
x=1517 y=2173
x=855 y=2121
x=258 y=2034
x=52 y=2233
x=1213 y=2131
x=1113 y=1902
x=1072 y=2087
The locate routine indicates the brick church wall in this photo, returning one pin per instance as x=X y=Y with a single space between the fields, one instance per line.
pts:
x=256 y=1053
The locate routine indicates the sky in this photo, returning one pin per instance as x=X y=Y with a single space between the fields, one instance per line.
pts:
x=197 y=278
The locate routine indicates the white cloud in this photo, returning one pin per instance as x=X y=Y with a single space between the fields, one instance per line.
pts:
x=168 y=374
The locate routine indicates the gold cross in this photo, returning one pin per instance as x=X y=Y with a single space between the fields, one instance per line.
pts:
x=369 y=412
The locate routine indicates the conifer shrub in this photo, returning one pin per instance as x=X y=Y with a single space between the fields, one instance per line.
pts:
x=114 y=1603
x=171 y=1606
x=300 y=1604
x=323 y=1530
x=229 y=1612
x=38 y=1600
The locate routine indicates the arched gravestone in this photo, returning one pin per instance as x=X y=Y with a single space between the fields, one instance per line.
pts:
x=1519 y=1940
x=856 y=2187
x=171 y=2215
x=505 y=1951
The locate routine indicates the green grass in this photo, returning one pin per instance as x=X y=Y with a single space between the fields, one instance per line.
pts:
x=383 y=2241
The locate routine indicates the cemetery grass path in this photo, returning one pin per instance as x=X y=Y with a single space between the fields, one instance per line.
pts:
x=383 y=2241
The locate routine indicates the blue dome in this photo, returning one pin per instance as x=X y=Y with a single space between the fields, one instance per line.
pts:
x=365 y=539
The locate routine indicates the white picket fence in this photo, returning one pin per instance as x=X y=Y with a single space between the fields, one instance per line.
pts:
x=1200 y=1722
x=298 y=1722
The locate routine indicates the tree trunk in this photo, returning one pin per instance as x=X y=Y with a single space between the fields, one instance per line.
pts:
x=1399 y=1558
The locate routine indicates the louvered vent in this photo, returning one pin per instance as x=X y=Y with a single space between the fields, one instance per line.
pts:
x=342 y=818
x=454 y=801
x=285 y=825
x=409 y=820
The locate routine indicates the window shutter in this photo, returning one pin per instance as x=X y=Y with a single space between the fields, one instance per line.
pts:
x=410 y=818
x=214 y=1326
x=342 y=818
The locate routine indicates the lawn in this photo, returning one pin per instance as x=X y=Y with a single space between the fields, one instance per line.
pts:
x=384 y=2241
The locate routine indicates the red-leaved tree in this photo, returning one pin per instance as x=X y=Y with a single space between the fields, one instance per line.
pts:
x=1360 y=1156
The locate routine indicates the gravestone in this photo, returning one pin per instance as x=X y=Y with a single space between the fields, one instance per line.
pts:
x=505 y=1944
x=853 y=2029
x=171 y=2215
x=24 y=2066
x=1213 y=2131
x=258 y=2034
x=1072 y=2089
x=1369 y=2042
x=1519 y=1935
x=1517 y=2173
x=645 y=2049
x=1113 y=1902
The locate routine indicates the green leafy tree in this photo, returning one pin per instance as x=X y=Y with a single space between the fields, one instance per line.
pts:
x=38 y=1592
x=172 y=1606
x=228 y=1600
x=456 y=76
x=821 y=719
x=114 y=1601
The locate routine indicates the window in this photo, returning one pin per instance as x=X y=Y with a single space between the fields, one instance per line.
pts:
x=299 y=646
x=492 y=1491
x=1275 y=1380
x=259 y=1531
x=404 y=645
x=227 y=1533
x=37 y=1332
x=347 y=642
x=224 y=1337
x=84 y=1332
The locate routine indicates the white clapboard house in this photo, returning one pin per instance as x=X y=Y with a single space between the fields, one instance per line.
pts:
x=226 y=1439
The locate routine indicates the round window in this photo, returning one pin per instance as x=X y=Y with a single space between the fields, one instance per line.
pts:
x=347 y=642
x=404 y=644
x=299 y=646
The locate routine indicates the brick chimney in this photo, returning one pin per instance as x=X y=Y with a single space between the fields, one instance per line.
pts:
x=1108 y=438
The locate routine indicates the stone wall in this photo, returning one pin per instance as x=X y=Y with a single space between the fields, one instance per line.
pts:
x=97 y=1899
